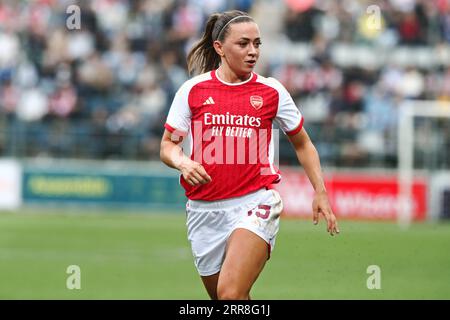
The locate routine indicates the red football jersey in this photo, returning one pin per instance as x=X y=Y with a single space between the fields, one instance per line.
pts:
x=228 y=129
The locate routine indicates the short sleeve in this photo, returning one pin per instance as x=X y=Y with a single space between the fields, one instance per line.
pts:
x=288 y=115
x=179 y=117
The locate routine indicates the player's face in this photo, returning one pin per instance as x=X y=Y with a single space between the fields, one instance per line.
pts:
x=241 y=47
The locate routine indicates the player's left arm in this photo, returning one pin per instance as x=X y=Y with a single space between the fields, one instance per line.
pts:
x=309 y=159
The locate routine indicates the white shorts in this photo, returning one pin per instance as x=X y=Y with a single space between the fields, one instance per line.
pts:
x=210 y=223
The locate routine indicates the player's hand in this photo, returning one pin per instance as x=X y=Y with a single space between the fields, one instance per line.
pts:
x=321 y=205
x=193 y=172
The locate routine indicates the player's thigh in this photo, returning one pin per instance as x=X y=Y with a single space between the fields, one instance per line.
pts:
x=210 y=283
x=245 y=257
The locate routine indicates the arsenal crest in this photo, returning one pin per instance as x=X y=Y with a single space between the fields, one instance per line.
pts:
x=256 y=102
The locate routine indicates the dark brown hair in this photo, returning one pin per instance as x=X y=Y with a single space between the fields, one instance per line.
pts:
x=203 y=57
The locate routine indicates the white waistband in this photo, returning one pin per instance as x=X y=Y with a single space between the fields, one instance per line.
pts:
x=225 y=203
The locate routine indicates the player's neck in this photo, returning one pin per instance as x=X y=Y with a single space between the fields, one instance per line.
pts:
x=227 y=75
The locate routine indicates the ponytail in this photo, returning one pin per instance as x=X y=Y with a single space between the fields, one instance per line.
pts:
x=203 y=57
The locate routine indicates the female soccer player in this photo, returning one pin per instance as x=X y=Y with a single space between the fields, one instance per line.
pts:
x=226 y=115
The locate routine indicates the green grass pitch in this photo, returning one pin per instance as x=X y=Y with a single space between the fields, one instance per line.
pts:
x=147 y=256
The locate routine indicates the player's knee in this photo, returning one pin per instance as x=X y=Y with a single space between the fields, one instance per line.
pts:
x=231 y=293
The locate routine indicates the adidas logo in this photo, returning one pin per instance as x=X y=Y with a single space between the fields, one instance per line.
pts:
x=209 y=101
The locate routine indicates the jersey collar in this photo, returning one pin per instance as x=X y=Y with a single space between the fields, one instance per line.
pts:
x=214 y=75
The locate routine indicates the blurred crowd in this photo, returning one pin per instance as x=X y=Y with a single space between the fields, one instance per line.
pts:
x=103 y=91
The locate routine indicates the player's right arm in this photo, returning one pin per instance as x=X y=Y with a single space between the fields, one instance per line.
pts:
x=173 y=156
x=177 y=126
